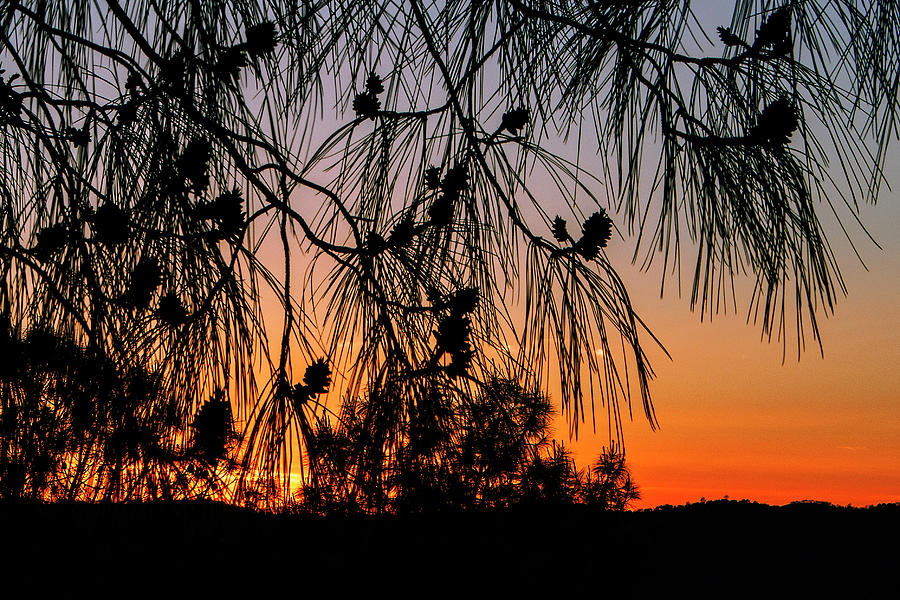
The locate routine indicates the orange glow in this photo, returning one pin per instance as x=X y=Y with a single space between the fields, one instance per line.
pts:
x=735 y=421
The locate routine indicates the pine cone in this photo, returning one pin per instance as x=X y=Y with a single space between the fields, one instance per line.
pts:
x=464 y=301
x=728 y=37
x=453 y=333
x=460 y=361
x=434 y=296
x=133 y=84
x=318 y=377
x=433 y=178
x=515 y=120
x=79 y=137
x=455 y=181
x=776 y=124
x=193 y=164
x=374 y=243
x=213 y=429
x=261 y=39
x=173 y=73
x=10 y=101
x=146 y=277
x=774 y=30
x=441 y=211
x=110 y=225
x=170 y=310
x=298 y=395
x=366 y=105
x=50 y=240
x=403 y=233
x=226 y=211
x=560 y=233
x=374 y=85
x=230 y=63
x=597 y=231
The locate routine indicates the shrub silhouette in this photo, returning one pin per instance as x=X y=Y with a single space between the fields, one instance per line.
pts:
x=608 y=482
x=77 y=426
x=489 y=448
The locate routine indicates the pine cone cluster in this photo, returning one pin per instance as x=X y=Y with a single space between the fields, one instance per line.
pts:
x=316 y=380
x=515 y=120
x=454 y=330
x=226 y=212
x=193 y=165
x=596 y=233
x=366 y=104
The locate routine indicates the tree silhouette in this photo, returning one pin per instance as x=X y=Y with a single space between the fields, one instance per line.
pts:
x=384 y=175
x=74 y=426
x=453 y=451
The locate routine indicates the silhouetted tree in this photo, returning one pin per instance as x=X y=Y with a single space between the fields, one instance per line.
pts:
x=385 y=174
x=454 y=450
x=608 y=482
x=74 y=426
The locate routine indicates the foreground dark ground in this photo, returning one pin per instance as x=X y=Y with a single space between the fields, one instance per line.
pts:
x=715 y=547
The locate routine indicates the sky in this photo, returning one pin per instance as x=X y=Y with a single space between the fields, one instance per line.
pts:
x=741 y=418
x=737 y=421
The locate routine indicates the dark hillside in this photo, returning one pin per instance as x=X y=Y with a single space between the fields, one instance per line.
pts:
x=722 y=546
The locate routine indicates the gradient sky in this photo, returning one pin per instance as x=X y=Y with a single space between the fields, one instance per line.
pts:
x=737 y=421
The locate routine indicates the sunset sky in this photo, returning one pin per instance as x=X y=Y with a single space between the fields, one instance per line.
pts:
x=739 y=415
x=398 y=177
x=736 y=421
